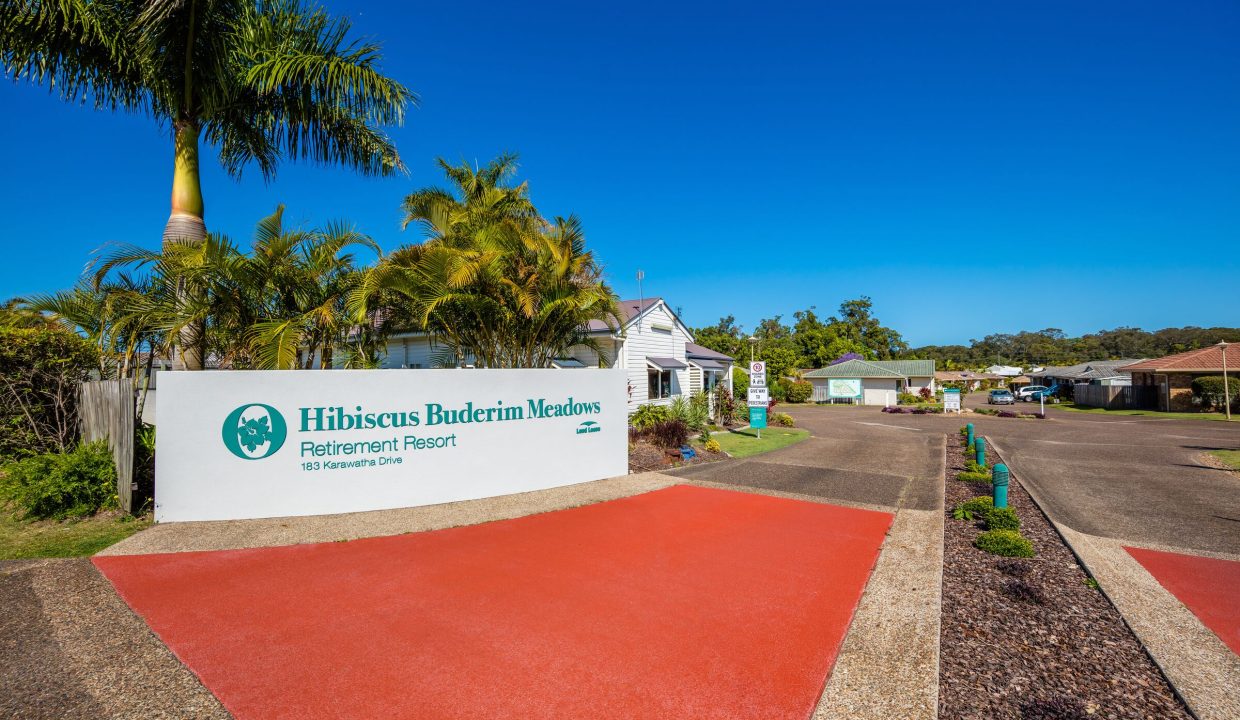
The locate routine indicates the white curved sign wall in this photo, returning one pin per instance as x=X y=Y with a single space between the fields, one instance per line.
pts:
x=248 y=444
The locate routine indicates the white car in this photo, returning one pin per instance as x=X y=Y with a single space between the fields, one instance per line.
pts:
x=1027 y=393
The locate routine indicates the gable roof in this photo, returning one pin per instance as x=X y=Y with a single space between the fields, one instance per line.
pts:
x=629 y=309
x=875 y=369
x=697 y=351
x=1091 y=370
x=1206 y=359
x=857 y=369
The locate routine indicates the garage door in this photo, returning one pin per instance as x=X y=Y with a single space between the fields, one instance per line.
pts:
x=880 y=392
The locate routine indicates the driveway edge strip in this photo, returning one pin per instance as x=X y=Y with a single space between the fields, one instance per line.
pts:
x=1202 y=670
x=271 y=532
x=889 y=663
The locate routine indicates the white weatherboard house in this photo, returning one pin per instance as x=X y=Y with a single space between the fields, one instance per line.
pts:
x=870 y=382
x=651 y=343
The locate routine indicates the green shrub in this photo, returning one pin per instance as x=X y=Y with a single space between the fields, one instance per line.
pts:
x=973 y=508
x=39 y=374
x=78 y=483
x=740 y=382
x=986 y=411
x=1210 y=390
x=907 y=399
x=974 y=477
x=800 y=391
x=783 y=419
x=690 y=412
x=971 y=449
x=647 y=416
x=779 y=391
x=1008 y=543
x=1001 y=519
x=976 y=467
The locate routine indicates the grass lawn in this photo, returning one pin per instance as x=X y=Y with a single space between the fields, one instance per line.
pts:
x=744 y=443
x=72 y=538
x=1231 y=457
x=1143 y=413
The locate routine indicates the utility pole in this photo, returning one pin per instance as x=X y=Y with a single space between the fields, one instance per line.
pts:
x=640 y=300
x=1222 y=345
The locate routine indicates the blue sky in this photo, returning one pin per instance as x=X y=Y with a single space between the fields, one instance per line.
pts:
x=974 y=167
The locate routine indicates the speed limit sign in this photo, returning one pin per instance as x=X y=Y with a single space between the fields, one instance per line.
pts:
x=757 y=374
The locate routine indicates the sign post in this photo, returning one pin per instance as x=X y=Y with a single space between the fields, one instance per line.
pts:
x=759 y=396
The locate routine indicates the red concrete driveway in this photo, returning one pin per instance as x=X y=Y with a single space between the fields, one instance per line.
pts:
x=1209 y=587
x=682 y=603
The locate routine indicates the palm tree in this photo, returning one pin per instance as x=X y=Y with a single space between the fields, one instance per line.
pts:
x=282 y=306
x=494 y=281
x=259 y=81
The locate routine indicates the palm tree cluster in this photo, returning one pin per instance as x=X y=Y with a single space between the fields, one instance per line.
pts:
x=280 y=306
x=494 y=281
x=260 y=81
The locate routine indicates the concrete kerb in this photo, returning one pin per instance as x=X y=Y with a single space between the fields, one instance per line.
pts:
x=1203 y=672
x=888 y=666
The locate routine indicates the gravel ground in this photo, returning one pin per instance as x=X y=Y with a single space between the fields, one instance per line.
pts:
x=70 y=648
x=1000 y=655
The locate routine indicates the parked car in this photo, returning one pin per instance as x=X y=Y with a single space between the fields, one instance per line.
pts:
x=1029 y=392
x=1001 y=397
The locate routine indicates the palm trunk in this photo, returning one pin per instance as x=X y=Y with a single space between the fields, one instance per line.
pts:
x=186 y=224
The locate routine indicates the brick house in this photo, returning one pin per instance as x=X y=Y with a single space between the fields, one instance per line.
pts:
x=1173 y=375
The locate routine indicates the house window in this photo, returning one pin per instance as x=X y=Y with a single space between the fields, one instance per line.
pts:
x=660 y=383
x=710 y=379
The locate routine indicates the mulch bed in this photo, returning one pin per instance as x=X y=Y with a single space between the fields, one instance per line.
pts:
x=1006 y=657
x=644 y=457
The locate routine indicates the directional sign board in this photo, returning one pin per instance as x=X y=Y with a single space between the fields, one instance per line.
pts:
x=759 y=397
x=757 y=374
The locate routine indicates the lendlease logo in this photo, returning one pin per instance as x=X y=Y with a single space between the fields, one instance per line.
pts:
x=254 y=431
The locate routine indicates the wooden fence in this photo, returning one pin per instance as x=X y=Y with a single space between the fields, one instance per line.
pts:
x=106 y=411
x=1116 y=397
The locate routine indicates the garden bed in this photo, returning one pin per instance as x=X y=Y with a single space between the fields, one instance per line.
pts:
x=645 y=456
x=1006 y=655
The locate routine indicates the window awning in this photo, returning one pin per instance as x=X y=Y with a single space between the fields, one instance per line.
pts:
x=567 y=363
x=665 y=363
x=706 y=364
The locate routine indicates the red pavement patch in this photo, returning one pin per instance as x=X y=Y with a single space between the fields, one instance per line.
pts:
x=1209 y=587
x=681 y=603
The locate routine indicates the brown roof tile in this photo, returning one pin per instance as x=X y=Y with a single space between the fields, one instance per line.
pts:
x=1206 y=359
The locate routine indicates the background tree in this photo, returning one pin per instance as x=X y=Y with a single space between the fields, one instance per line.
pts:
x=258 y=81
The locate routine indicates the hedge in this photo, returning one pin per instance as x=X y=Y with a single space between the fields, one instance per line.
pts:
x=39 y=374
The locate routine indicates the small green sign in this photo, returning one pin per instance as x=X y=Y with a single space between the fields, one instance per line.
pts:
x=757 y=417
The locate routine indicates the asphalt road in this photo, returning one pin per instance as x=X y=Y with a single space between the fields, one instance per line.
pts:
x=1130 y=478
x=865 y=462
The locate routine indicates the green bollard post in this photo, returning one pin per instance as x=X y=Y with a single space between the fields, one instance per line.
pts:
x=999 y=485
x=981 y=451
x=969 y=429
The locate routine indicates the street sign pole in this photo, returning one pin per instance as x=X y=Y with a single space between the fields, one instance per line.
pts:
x=759 y=397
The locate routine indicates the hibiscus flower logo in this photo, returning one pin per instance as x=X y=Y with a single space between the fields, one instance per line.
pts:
x=255 y=431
